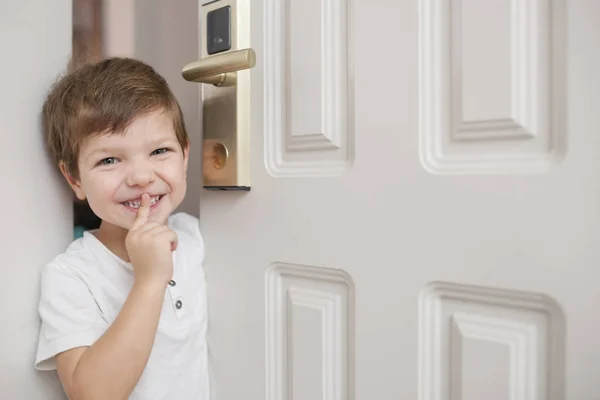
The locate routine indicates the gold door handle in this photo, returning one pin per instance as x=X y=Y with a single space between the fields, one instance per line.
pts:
x=219 y=70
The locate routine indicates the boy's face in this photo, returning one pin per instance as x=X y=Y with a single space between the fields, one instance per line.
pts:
x=115 y=170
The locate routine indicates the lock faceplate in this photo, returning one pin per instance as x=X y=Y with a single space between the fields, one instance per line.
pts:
x=224 y=74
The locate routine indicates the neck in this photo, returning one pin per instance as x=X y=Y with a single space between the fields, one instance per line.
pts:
x=113 y=237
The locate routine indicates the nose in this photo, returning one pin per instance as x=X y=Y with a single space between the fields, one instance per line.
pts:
x=140 y=174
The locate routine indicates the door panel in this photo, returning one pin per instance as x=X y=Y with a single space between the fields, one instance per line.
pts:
x=422 y=222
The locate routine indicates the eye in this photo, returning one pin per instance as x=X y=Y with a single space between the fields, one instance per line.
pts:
x=159 y=151
x=107 y=161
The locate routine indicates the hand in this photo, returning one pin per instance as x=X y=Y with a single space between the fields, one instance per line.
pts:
x=149 y=245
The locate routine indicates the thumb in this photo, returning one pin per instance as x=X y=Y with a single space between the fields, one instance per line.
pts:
x=143 y=211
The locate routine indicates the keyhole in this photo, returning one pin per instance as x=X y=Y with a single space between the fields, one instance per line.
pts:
x=220 y=155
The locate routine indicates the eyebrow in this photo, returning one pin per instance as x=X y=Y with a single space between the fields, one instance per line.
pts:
x=158 y=141
x=154 y=143
x=103 y=150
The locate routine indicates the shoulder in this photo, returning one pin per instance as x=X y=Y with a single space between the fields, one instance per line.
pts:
x=81 y=262
x=187 y=228
x=66 y=273
x=186 y=224
x=72 y=260
x=184 y=221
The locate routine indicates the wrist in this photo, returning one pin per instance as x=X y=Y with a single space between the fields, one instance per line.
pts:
x=150 y=284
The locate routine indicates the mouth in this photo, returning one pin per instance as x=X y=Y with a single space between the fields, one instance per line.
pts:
x=134 y=205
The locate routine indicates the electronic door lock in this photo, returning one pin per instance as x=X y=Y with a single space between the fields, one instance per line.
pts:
x=226 y=60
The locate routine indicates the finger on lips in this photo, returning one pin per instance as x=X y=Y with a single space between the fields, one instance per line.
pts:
x=143 y=211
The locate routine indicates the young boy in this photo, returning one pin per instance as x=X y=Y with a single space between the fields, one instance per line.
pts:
x=123 y=309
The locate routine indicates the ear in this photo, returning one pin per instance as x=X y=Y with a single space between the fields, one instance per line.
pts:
x=186 y=154
x=74 y=183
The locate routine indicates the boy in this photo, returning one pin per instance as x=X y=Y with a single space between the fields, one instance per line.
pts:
x=123 y=309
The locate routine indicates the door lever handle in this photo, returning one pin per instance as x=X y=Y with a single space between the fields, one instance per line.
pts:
x=219 y=70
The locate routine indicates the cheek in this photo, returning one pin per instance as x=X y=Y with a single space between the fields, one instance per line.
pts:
x=101 y=188
x=174 y=174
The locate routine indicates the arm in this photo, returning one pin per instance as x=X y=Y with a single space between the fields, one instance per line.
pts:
x=112 y=366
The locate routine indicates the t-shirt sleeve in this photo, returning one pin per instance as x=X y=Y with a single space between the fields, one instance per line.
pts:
x=70 y=316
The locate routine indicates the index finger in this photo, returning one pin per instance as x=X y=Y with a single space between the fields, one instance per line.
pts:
x=143 y=211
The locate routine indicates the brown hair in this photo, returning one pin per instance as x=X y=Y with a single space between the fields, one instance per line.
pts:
x=104 y=97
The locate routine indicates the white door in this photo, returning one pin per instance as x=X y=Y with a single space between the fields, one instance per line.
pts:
x=423 y=220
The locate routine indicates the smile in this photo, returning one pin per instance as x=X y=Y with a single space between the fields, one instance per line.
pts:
x=136 y=203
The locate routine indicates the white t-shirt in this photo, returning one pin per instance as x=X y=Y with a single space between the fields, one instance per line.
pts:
x=83 y=291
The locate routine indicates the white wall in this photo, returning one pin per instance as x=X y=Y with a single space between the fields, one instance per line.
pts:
x=35 y=210
x=165 y=35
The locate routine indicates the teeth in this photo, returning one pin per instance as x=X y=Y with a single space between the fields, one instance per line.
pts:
x=136 y=204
